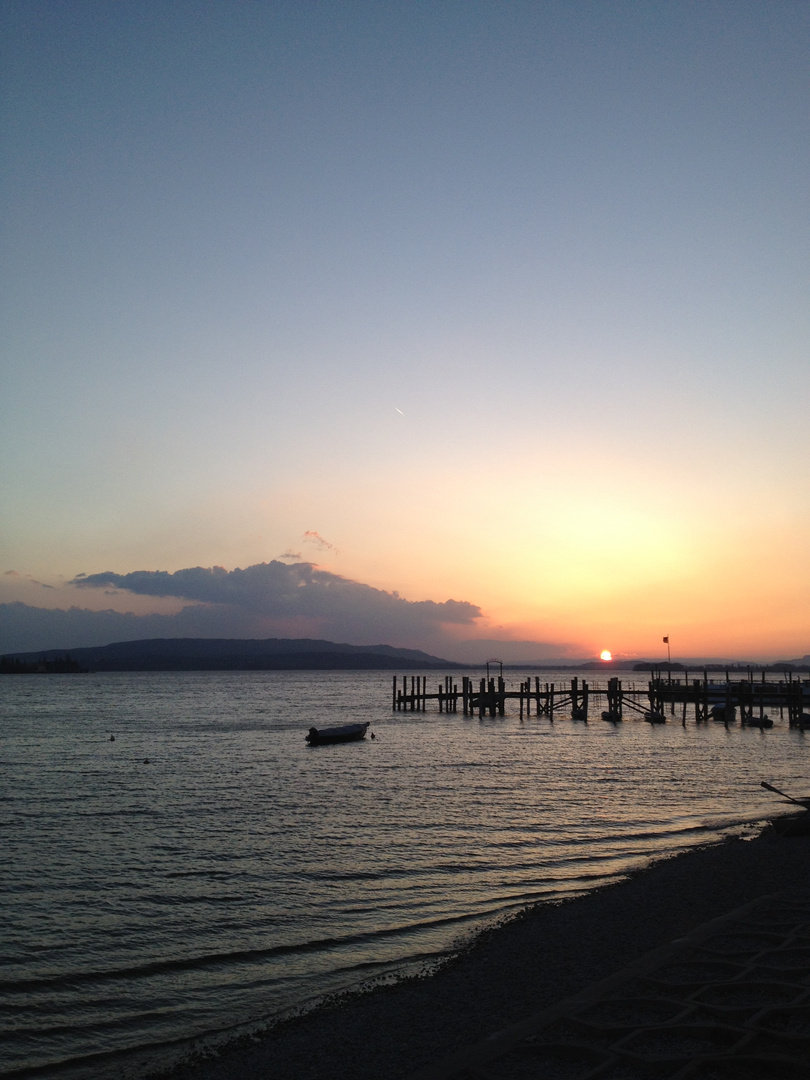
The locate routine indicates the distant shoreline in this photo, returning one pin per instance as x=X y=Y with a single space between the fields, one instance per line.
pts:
x=309 y=654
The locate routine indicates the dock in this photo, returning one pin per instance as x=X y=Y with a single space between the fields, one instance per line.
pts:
x=700 y=699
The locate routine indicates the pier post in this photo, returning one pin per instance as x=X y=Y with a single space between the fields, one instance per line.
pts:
x=794 y=703
x=614 y=696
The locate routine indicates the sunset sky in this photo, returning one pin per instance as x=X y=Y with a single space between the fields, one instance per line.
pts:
x=390 y=304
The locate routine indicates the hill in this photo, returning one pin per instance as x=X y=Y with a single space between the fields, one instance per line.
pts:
x=237 y=654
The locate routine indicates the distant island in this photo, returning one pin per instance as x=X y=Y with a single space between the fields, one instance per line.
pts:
x=224 y=654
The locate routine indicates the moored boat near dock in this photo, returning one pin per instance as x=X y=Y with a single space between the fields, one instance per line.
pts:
x=724 y=714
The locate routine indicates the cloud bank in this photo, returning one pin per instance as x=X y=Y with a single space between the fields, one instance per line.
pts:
x=271 y=599
x=278 y=591
x=266 y=600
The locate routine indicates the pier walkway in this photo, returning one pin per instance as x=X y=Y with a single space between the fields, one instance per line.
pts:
x=704 y=699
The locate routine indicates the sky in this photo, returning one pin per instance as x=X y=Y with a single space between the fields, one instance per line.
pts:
x=471 y=326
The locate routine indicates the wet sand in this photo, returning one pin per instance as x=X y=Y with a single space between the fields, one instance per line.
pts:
x=546 y=953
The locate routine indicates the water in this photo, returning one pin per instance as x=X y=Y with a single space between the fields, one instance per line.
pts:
x=207 y=869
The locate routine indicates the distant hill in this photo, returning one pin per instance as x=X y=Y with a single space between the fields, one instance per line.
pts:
x=724 y=665
x=237 y=654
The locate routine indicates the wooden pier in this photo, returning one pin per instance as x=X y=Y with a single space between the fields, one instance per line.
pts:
x=704 y=699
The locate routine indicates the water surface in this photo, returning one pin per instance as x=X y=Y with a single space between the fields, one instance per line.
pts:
x=206 y=868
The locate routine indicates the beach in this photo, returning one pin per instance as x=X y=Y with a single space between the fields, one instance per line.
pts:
x=546 y=953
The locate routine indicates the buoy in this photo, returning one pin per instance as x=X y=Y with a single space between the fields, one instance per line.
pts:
x=146 y=761
x=112 y=738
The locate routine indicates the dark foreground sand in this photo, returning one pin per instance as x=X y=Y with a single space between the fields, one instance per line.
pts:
x=547 y=953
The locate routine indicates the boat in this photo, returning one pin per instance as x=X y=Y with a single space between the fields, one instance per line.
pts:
x=579 y=714
x=792 y=825
x=759 y=721
x=612 y=716
x=346 y=733
x=724 y=714
x=652 y=716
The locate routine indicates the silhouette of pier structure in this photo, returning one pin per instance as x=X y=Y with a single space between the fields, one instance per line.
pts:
x=706 y=700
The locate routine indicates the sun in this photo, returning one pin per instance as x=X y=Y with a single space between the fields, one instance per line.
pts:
x=606 y=655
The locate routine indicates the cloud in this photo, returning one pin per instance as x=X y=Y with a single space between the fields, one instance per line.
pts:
x=27 y=577
x=311 y=537
x=512 y=651
x=266 y=600
x=25 y=628
x=295 y=600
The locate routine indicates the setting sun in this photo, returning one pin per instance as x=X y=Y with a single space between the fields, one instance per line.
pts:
x=605 y=655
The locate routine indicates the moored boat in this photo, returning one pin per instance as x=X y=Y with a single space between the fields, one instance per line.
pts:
x=612 y=716
x=724 y=714
x=327 y=735
x=652 y=716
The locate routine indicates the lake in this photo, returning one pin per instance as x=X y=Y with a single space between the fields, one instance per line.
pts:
x=205 y=869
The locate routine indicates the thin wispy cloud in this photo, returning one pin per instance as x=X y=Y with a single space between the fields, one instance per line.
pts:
x=312 y=537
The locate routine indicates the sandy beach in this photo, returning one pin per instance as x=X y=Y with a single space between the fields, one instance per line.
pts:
x=547 y=953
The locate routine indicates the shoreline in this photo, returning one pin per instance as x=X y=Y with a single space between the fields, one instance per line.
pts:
x=542 y=955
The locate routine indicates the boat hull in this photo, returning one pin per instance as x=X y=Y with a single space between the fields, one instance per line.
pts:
x=611 y=716
x=330 y=736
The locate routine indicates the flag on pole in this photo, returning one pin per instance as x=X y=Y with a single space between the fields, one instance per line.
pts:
x=666 y=641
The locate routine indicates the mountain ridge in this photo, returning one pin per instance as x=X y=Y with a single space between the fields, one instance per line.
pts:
x=237 y=654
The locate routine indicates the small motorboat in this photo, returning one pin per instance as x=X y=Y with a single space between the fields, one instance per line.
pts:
x=652 y=716
x=346 y=733
x=579 y=714
x=612 y=716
